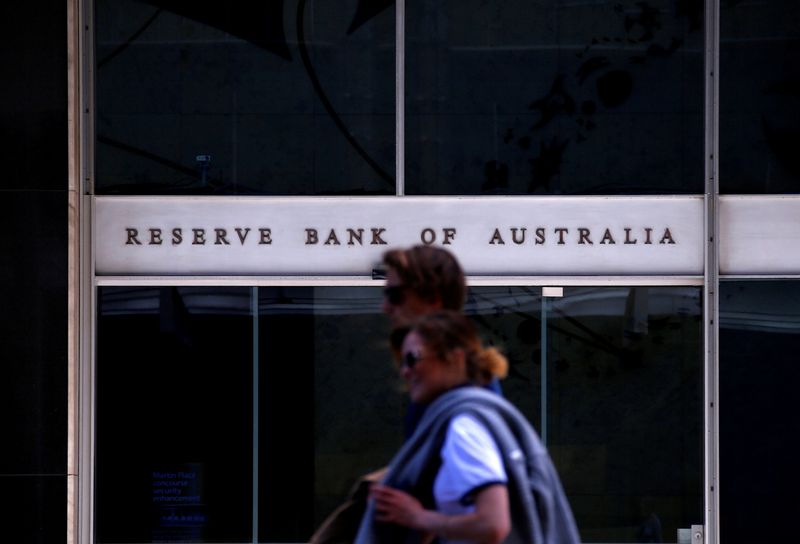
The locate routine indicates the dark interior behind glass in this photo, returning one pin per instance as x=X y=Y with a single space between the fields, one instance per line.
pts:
x=239 y=98
x=174 y=420
x=759 y=97
x=610 y=377
x=758 y=426
x=553 y=97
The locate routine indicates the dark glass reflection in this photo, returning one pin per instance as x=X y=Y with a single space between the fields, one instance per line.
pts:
x=759 y=124
x=759 y=431
x=330 y=404
x=553 y=97
x=611 y=378
x=174 y=416
x=270 y=98
x=623 y=396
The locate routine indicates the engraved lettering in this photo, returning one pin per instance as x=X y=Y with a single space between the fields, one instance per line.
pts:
x=132 y=237
x=199 y=238
x=496 y=238
x=242 y=234
x=311 y=237
x=376 y=237
x=667 y=236
x=155 y=237
x=355 y=236
x=221 y=237
x=332 y=239
x=607 y=238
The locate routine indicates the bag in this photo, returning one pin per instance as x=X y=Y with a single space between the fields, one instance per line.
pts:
x=341 y=525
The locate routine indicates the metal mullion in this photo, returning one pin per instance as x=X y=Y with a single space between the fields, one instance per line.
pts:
x=711 y=276
x=87 y=378
x=74 y=275
x=80 y=505
x=399 y=98
x=255 y=410
x=543 y=363
x=87 y=96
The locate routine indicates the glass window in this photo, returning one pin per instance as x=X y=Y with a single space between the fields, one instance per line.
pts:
x=174 y=416
x=759 y=122
x=331 y=406
x=612 y=380
x=180 y=423
x=759 y=435
x=269 y=98
x=554 y=97
x=224 y=413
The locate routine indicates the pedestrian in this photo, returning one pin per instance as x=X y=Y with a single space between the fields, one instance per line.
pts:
x=474 y=470
x=421 y=280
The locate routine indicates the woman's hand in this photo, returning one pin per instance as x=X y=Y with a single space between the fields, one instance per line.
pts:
x=489 y=523
x=395 y=506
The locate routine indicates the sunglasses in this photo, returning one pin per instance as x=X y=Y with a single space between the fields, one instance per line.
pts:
x=411 y=359
x=395 y=294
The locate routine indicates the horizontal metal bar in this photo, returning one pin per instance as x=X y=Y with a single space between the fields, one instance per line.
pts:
x=742 y=277
x=356 y=281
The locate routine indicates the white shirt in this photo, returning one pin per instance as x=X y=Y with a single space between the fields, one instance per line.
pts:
x=470 y=462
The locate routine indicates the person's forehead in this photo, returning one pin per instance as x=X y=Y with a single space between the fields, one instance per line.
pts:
x=412 y=340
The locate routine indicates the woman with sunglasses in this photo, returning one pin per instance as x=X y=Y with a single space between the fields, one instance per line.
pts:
x=474 y=470
x=421 y=280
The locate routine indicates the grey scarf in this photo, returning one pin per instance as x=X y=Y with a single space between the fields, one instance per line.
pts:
x=540 y=513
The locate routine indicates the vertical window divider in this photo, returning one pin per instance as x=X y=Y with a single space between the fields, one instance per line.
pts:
x=254 y=310
x=711 y=276
x=543 y=355
x=399 y=96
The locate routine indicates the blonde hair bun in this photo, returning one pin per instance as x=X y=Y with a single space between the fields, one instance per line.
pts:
x=492 y=363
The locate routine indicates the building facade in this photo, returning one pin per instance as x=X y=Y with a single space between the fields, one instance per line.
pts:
x=201 y=194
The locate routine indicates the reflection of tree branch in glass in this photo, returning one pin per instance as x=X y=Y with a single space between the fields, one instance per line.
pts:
x=260 y=24
x=124 y=45
x=639 y=23
x=312 y=75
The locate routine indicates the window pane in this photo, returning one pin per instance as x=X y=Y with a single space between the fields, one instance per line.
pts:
x=759 y=431
x=759 y=97
x=623 y=399
x=174 y=416
x=331 y=407
x=619 y=405
x=554 y=97
x=244 y=98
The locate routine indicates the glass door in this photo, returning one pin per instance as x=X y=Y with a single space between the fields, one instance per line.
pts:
x=245 y=414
